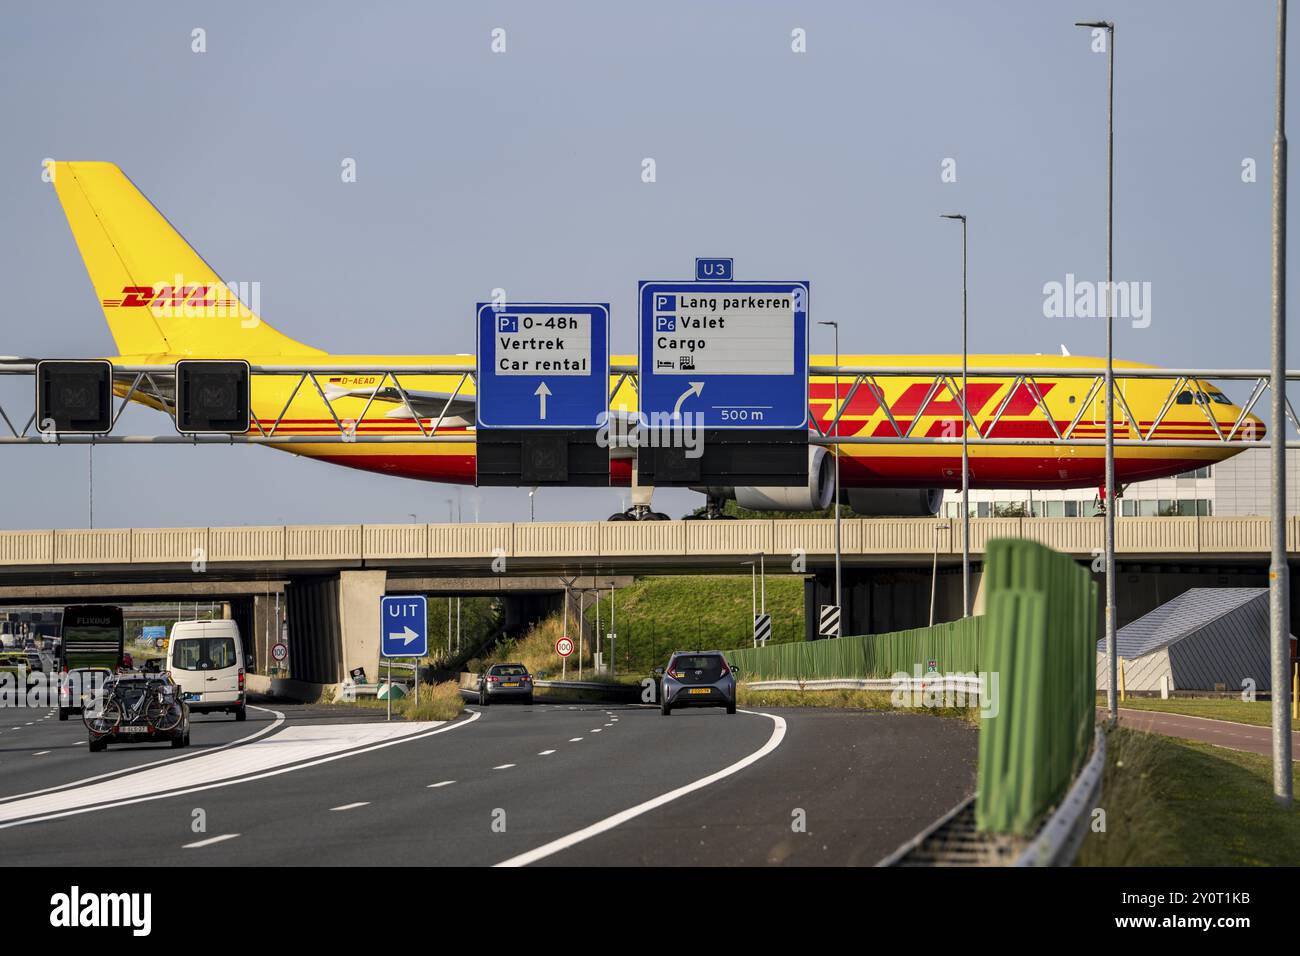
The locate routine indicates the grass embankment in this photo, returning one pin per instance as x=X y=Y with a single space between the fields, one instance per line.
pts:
x=881 y=700
x=437 y=702
x=1179 y=803
x=1257 y=712
x=661 y=614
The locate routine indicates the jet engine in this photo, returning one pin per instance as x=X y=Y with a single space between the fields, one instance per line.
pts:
x=813 y=496
x=895 y=502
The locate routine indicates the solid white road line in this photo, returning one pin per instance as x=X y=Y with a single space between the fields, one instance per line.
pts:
x=504 y=766
x=209 y=841
x=351 y=806
x=279 y=719
x=440 y=783
x=545 y=753
x=609 y=823
x=89 y=799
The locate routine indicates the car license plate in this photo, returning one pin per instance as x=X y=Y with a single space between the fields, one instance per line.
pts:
x=191 y=696
x=700 y=690
x=133 y=730
x=511 y=684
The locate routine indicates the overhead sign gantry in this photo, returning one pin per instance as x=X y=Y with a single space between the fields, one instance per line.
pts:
x=543 y=392
x=730 y=358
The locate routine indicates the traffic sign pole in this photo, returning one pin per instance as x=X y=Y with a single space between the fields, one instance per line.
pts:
x=403 y=632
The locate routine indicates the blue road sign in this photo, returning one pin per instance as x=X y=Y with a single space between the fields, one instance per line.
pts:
x=733 y=354
x=404 y=625
x=153 y=632
x=543 y=365
x=714 y=270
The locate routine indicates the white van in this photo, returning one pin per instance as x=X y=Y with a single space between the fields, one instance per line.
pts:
x=207 y=659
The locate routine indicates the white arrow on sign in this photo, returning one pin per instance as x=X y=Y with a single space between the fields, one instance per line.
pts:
x=541 y=393
x=407 y=632
x=695 y=389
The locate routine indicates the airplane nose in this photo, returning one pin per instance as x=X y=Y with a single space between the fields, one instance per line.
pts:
x=1252 y=429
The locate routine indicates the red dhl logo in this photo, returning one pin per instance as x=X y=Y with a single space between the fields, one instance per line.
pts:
x=167 y=296
x=943 y=406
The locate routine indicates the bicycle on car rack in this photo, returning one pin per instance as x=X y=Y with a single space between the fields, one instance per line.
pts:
x=137 y=708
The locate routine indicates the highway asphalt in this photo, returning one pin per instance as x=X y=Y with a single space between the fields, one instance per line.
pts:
x=551 y=784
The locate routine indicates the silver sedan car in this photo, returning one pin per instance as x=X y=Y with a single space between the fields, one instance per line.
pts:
x=505 y=682
x=698 y=679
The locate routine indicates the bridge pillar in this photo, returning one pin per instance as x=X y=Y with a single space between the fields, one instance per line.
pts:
x=334 y=625
x=255 y=615
x=359 y=594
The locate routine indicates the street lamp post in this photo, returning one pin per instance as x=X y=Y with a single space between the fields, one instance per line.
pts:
x=965 y=431
x=839 y=594
x=1279 y=584
x=1112 y=668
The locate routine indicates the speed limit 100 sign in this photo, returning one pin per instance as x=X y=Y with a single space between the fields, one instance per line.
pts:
x=564 y=647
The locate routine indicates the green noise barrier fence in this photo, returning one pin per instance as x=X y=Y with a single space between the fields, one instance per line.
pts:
x=1035 y=649
x=1041 y=633
x=954 y=646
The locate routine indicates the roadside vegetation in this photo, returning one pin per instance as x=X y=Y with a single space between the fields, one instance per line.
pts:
x=1174 y=802
x=661 y=614
x=848 y=700
x=735 y=511
x=654 y=617
x=441 y=701
x=1258 y=712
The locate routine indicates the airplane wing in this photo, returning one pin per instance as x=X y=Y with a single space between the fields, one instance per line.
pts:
x=425 y=404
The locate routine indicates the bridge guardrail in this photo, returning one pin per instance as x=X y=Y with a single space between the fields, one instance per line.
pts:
x=861 y=536
x=970 y=687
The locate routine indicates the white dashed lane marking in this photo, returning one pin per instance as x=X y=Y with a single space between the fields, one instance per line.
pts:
x=40 y=753
x=574 y=740
x=352 y=806
x=209 y=841
x=504 y=766
x=440 y=783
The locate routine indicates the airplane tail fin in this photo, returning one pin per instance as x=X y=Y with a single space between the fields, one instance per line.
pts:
x=159 y=295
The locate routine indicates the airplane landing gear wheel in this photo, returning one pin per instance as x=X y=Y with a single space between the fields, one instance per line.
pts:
x=640 y=513
x=714 y=510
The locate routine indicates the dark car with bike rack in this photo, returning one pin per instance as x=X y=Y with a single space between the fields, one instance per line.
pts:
x=135 y=709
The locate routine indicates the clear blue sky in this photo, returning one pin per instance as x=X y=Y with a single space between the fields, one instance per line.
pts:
x=523 y=170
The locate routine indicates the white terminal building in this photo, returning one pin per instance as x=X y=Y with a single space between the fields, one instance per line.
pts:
x=1236 y=487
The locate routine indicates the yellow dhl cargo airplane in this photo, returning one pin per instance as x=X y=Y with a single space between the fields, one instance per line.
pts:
x=163 y=302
